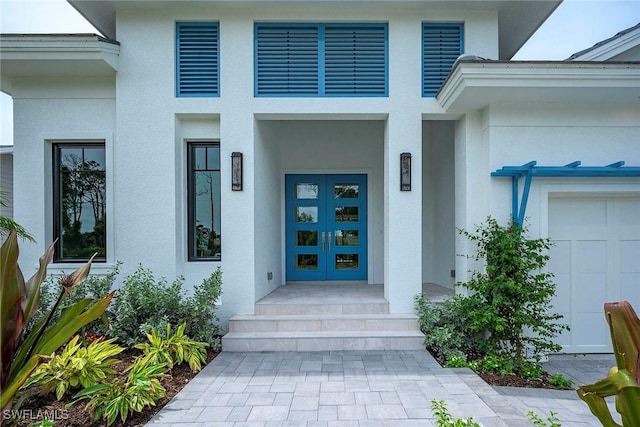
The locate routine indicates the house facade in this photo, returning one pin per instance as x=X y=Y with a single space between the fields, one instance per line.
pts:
x=316 y=142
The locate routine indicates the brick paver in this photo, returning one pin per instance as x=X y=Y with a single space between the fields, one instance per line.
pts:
x=361 y=388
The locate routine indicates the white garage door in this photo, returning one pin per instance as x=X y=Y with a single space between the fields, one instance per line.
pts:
x=596 y=259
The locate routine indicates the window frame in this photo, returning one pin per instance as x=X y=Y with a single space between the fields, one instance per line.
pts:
x=57 y=205
x=191 y=220
x=321 y=53
x=424 y=26
x=203 y=94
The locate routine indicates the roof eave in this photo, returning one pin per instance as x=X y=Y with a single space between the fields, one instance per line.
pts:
x=55 y=55
x=473 y=85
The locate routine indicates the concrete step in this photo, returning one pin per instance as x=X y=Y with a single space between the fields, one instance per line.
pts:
x=323 y=323
x=336 y=309
x=323 y=341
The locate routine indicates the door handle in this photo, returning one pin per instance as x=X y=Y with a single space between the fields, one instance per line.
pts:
x=323 y=241
x=329 y=241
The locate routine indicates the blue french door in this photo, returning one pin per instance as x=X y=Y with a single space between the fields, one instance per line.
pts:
x=326 y=227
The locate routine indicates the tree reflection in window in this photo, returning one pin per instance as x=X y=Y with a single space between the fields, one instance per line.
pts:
x=204 y=201
x=80 y=202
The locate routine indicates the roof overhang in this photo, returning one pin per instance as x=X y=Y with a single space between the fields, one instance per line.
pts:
x=611 y=47
x=517 y=20
x=56 y=55
x=472 y=85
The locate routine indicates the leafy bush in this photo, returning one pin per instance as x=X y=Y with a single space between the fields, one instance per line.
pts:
x=561 y=381
x=530 y=371
x=174 y=349
x=445 y=419
x=447 y=329
x=76 y=365
x=511 y=300
x=145 y=303
x=141 y=389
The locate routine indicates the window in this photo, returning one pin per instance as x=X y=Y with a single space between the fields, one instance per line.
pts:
x=79 y=189
x=197 y=59
x=441 y=46
x=321 y=60
x=204 y=201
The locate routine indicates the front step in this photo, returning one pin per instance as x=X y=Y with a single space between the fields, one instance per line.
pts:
x=328 y=309
x=323 y=341
x=323 y=323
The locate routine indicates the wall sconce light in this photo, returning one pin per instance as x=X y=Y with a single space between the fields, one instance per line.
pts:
x=405 y=171
x=236 y=171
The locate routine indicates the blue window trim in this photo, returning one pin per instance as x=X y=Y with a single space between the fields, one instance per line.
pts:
x=428 y=25
x=204 y=94
x=321 y=58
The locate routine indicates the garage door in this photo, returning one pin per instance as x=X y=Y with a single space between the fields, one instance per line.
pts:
x=596 y=259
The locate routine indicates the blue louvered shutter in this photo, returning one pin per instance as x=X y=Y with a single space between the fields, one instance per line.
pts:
x=197 y=59
x=355 y=59
x=441 y=46
x=286 y=60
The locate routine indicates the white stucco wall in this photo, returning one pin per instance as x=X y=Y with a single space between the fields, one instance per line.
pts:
x=48 y=111
x=438 y=202
x=555 y=135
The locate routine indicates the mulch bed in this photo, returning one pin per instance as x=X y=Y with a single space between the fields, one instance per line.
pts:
x=43 y=406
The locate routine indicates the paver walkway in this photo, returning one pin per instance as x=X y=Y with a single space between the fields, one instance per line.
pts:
x=355 y=388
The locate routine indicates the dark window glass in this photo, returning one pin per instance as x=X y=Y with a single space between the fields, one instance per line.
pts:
x=79 y=202
x=204 y=201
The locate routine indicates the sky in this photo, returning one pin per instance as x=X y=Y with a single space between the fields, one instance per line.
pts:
x=575 y=25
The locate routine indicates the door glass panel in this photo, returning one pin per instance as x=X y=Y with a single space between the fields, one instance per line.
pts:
x=306 y=191
x=307 y=214
x=346 y=214
x=306 y=262
x=346 y=238
x=346 y=261
x=307 y=238
x=346 y=191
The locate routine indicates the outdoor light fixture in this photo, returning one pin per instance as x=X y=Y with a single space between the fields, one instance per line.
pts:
x=405 y=171
x=236 y=171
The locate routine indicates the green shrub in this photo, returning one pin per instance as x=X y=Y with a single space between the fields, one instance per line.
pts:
x=561 y=381
x=145 y=303
x=447 y=328
x=445 y=419
x=142 y=388
x=510 y=301
x=173 y=349
x=76 y=366
x=530 y=371
x=539 y=422
x=203 y=322
x=499 y=365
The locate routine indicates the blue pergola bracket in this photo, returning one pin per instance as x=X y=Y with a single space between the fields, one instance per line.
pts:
x=573 y=169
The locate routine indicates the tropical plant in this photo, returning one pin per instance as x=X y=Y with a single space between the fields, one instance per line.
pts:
x=445 y=419
x=623 y=379
x=22 y=351
x=76 y=366
x=510 y=301
x=141 y=388
x=7 y=224
x=173 y=349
